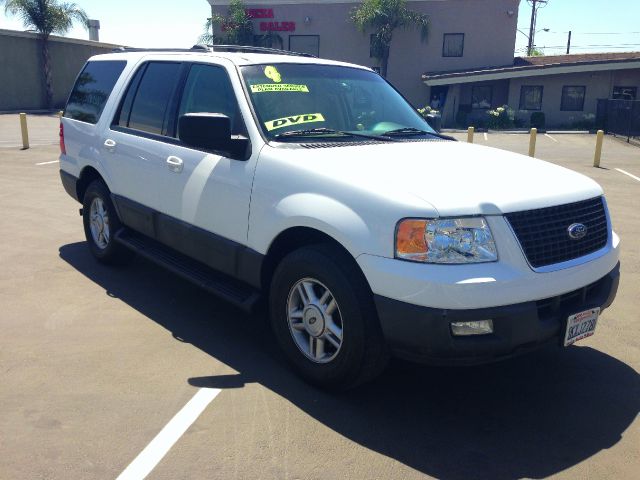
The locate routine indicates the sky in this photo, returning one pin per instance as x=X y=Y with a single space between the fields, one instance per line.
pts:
x=597 y=26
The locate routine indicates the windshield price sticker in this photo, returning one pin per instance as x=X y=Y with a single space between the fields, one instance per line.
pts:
x=272 y=73
x=293 y=120
x=279 y=87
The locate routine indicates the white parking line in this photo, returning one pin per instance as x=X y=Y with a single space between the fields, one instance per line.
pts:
x=48 y=163
x=168 y=436
x=486 y=137
x=627 y=173
x=549 y=136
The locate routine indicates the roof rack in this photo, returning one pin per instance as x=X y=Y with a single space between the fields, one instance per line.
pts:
x=195 y=48
x=250 y=49
x=217 y=48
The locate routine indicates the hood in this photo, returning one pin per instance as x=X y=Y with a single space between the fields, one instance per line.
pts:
x=455 y=178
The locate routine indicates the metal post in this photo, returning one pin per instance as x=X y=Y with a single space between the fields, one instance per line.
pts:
x=532 y=142
x=470 y=131
x=569 y=42
x=24 y=130
x=598 y=154
x=532 y=28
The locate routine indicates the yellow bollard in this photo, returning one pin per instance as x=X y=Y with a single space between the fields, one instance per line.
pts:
x=598 y=154
x=25 y=131
x=470 y=131
x=532 y=142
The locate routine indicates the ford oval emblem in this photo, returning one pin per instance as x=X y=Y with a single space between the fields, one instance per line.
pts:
x=577 y=231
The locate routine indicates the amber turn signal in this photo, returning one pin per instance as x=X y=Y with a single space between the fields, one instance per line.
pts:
x=410 y=239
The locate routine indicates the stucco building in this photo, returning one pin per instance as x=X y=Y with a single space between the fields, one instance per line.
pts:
x=467 y=62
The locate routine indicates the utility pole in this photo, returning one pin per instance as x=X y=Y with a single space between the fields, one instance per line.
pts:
x=569 y=42
x=535 y=5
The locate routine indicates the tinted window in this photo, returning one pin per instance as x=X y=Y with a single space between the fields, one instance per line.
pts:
x=481 y=96
x=124 y=114
x=208 y=90
x=572 y=98
x=624 y=93
x=149 y=107
x=92 y=89
x=453 y=45
x=531 y=97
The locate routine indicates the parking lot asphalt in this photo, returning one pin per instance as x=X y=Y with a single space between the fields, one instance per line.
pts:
x=95 y=361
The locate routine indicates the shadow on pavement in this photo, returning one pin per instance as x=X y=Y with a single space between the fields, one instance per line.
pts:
x=532 y=416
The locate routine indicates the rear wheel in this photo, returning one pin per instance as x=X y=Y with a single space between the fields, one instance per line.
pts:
x=100 y=225
x=323 y=316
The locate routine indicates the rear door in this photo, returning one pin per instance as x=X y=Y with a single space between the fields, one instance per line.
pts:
x=194 y=201
x=141 y=137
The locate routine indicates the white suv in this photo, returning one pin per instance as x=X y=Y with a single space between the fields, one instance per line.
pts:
x=251 y=171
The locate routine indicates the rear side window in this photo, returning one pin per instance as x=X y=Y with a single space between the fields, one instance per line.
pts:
x=145 y=106
x=92 y=90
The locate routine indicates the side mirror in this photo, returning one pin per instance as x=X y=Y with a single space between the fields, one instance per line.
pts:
x=209 y=131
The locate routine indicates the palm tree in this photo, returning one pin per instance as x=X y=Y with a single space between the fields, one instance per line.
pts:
x=46 y=17
x=236 y=27
x=383 y=17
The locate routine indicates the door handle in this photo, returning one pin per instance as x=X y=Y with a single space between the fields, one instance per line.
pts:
x=110 y=145
x=175 y=164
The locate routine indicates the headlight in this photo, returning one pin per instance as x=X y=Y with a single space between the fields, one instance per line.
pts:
x=449 y=240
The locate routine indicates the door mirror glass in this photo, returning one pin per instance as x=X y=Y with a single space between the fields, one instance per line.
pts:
x=208 y=131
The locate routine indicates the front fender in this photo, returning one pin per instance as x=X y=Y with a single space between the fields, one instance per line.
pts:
x=315 y=211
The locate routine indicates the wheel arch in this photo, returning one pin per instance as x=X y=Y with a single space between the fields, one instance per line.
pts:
x=87 y=175
x=295 y=238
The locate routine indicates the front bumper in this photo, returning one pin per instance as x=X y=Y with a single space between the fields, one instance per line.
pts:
x=423 y=334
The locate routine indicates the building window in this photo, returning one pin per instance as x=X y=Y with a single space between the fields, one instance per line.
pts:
x=531 y=97
x=305 y=44
x=624 y=93
x=481 y=96
x=572 y=98
x=453 y=45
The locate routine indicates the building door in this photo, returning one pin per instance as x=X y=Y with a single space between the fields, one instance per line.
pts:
x=305 y=44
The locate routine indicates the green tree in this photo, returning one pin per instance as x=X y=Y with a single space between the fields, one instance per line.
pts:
x=46 y=17
x=236 y=28
x=383 y=17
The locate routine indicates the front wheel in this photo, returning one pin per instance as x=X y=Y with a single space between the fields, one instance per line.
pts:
x=323 y=316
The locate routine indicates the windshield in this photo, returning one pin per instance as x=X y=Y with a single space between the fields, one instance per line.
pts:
x=326 y=101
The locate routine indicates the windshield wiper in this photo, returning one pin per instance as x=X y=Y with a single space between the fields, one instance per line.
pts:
x=414 y=131
x=317 y=132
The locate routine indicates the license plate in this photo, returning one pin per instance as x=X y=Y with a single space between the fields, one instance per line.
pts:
x=581 y=325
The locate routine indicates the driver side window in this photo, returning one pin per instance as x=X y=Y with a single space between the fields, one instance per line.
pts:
x=208 y=90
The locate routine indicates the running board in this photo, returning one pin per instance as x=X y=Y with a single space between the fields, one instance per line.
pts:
x=219 y=284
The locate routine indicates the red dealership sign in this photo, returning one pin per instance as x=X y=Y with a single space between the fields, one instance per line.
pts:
x=277 y=26
x=259 y=12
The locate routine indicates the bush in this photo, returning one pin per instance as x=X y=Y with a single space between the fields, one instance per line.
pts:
x=500 y=118
x=538 y=120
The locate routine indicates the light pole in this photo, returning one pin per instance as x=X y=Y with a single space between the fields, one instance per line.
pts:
x=535 y=5
x=531 y=45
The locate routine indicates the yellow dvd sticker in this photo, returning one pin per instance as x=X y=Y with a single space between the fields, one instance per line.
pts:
x=272 y=73
x=279 y=87
x=293 y=120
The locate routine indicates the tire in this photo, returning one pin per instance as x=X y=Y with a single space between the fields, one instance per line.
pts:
x=100 y=234
x=334 y=346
